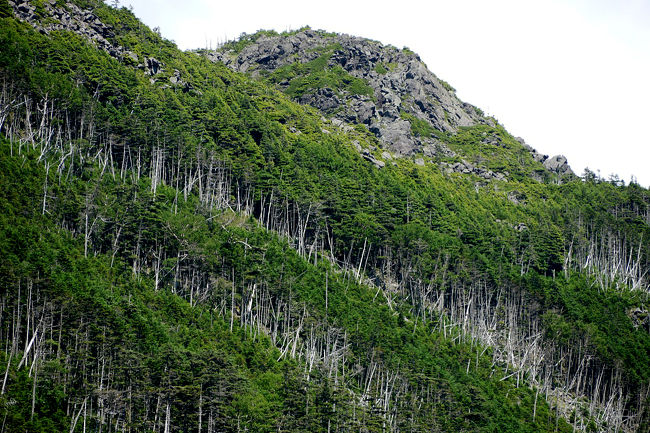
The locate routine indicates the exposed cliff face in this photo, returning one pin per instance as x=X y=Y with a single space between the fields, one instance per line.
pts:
x=402 y=87
x=394 y=95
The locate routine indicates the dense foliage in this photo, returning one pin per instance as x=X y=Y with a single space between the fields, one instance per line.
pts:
x=213 y=256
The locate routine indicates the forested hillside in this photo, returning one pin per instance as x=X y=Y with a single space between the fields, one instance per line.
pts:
x=190 y=246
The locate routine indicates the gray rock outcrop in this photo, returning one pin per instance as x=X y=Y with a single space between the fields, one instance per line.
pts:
x=71 y=17
x=52 y=15
x=558 y=164
x=465 y=167
x=400 y=82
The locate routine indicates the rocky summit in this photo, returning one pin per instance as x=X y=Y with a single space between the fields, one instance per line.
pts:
x=401 y=85
x=353 y=80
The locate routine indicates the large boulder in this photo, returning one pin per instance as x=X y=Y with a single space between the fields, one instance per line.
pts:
x=558 y=164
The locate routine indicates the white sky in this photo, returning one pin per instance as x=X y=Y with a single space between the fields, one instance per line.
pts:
x=571 y=77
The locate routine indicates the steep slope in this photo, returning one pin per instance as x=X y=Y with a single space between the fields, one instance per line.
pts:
x=188 y=249
x=359 y=81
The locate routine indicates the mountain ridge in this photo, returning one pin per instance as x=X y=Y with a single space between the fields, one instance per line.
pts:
x=407 y=107
x=202 y=253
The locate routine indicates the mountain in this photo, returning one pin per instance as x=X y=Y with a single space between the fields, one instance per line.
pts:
x=296 y=232
x=356 y=81
x=353 y=80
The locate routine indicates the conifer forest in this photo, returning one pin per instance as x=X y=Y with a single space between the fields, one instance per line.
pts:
x=235 y=240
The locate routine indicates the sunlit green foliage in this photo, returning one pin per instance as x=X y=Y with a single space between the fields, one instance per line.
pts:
x=175 y=346
x=317 y=74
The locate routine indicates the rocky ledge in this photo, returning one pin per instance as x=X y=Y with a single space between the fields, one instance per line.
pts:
x=404 y=95
x=402 y=86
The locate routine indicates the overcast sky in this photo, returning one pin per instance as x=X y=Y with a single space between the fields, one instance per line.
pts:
x=571 y=77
